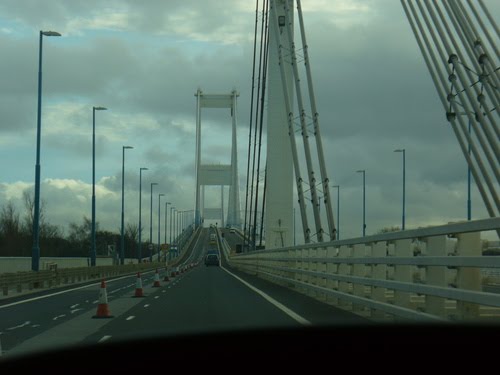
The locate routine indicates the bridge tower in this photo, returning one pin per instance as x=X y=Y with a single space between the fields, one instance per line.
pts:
x=217 y=175
x=283 y=126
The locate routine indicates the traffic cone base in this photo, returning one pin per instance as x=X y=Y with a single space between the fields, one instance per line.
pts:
x=103 y=312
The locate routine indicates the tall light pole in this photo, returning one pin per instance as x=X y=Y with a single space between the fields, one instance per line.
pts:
x=469 y=202
x=151 y=224
x=166 y=220
x=338 y=210
x=364 y=201
x=35 y=253
x=170 y=238
x=404 y=187
x=122 y=247
x=139 y=252
x=93 y=241
x=159 y=223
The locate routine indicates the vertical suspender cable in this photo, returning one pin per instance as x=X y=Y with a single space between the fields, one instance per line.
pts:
x=251 y=120
x=261 y=119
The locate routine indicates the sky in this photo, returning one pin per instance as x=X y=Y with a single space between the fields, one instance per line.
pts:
x=144 y=60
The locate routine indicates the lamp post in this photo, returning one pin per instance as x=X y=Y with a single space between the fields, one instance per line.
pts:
x=93 y=241
x=35 y=253
x=151 y=224
x=170 y=239
x=122 y=247
x=469 y=202
x=139 y=252
x=338 y=210
x=166 y=219
x=404 y=188
x=159 y=223
x=364 y=201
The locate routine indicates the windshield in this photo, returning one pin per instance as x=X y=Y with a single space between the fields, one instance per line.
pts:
x=348 y=177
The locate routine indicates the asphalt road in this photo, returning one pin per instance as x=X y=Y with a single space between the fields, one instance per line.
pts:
x=201 y=300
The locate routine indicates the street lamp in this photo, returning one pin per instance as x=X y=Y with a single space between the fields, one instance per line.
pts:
x=93 y=241
x=404 y=178
x=122 y=247
x=151 y=224
x=159 y=223
x=364 y=200
x=35 y=254
x=166 y=219
x=170 y=239
x=338 y=210
x=139 y=252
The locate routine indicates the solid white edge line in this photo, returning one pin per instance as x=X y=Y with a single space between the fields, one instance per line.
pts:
x=271 y=300
x=64 y=291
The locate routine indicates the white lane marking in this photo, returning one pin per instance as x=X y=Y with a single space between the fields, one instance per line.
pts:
x=87 y=301
x=65 y=291
x=271 y=300
x=146 y=305
x=75 y=310
x=164 y=291
x=34 y=326
x=59 y=316
x=19 y=326
x=104 y=338
x=156 y=297
x=95 y=301
x=74 y=306
x=130 y=317
x=170 y=286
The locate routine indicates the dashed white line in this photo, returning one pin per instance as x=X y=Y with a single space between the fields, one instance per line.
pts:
x=33 y=326
x=75 y=310
x=104 y=338
x=130 y=317
x=156 y=297
x=74 y=306
x=59 y=316
x=19 y=326
x=146 y=305
x=164 y=291
x=95 y=301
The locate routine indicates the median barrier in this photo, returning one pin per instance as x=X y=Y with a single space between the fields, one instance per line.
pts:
x=29 y=281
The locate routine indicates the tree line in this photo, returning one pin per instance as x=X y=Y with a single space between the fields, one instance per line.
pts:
x=16 y=235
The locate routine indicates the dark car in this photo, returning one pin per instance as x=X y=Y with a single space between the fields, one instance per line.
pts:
x=212 y=260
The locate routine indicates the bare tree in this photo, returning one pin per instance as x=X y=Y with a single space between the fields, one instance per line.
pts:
x=132 y=232
x=9 y=221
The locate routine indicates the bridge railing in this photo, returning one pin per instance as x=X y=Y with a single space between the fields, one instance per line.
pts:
x=427 y=274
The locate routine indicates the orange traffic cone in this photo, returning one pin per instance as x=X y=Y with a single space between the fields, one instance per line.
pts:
x=166 y=275
x=138 y=286
x=102 y=307
x=156 y=284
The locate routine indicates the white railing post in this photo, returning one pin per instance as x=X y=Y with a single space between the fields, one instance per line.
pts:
x=379 y=272
x=344 y=269
x=469 y=244
x=322 y=268
x=332 y=269
x=436 y=275
x=358 y=269
x=403 y=273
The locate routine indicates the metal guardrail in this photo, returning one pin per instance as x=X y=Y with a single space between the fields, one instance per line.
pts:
x=422 y=274
x=31 y=280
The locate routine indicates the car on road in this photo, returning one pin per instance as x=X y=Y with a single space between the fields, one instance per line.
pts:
x=212 y=260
